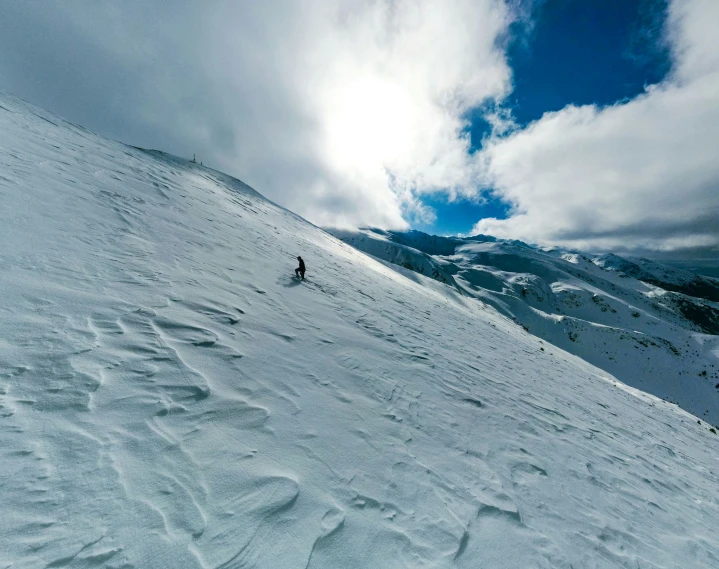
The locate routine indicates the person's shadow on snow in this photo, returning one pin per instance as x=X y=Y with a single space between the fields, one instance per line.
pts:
x=293 y=281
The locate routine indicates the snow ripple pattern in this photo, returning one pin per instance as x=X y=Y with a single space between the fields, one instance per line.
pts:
x=170 y=397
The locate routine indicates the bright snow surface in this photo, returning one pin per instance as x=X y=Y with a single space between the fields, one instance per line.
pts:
x=172 y=398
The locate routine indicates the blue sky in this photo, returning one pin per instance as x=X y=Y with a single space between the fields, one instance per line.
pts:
x=575 y=52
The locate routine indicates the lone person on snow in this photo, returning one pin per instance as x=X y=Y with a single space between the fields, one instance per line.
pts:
x=300 y=271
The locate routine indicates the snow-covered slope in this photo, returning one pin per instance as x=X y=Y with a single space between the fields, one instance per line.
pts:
x=651 y=326
x=171 y=398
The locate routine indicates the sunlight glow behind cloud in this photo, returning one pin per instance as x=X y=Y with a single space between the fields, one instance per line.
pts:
x=342 y=110
x=389 y=86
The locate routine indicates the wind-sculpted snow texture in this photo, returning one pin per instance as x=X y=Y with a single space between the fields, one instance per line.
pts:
x=171 y=398
x=651 y=326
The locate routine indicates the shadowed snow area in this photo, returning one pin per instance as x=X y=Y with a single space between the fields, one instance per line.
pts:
x=171 y=398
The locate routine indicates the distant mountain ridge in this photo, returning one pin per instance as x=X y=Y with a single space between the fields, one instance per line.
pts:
x=653 y=326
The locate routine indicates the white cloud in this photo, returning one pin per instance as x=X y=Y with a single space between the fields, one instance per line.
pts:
x=643 y=174
x=342 y=110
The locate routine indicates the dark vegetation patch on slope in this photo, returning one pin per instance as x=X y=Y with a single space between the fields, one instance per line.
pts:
x=706 y=317
x=699 y=287
x=664 y=277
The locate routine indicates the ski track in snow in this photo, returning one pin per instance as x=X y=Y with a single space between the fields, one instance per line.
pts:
x=171 y=397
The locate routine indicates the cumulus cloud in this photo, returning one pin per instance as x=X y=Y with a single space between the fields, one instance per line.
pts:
x=342 y=110
x=640 y=174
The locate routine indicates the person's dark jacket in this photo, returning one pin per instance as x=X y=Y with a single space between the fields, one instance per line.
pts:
x=302 y=266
